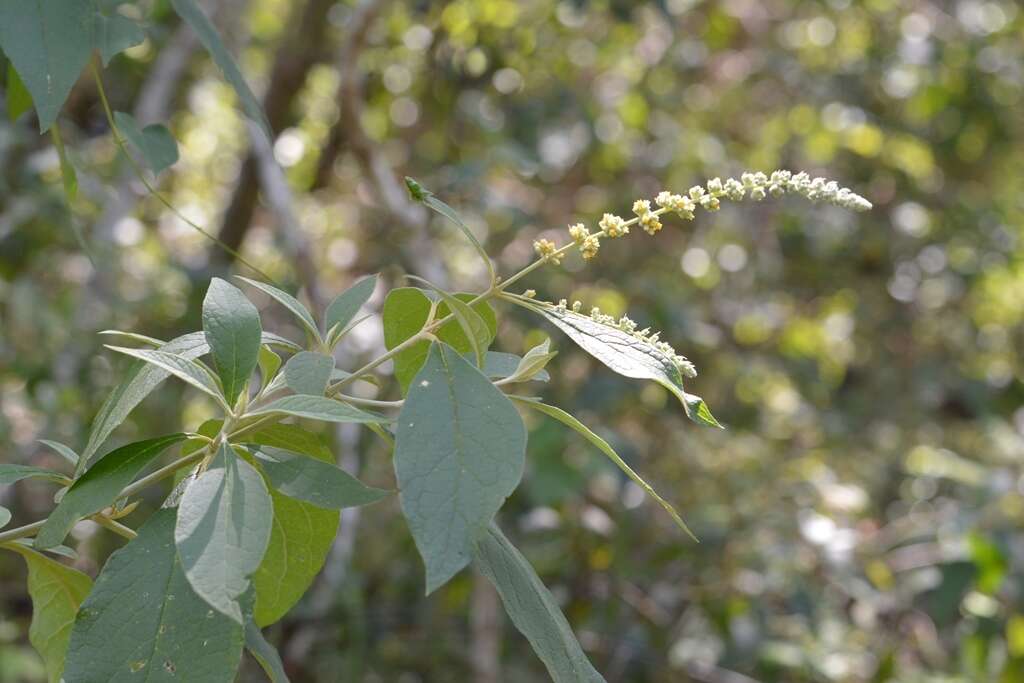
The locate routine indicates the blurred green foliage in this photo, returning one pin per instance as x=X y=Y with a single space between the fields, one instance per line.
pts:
x=859 y=517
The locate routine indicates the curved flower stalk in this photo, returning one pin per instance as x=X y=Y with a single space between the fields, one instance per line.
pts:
x=756 y=186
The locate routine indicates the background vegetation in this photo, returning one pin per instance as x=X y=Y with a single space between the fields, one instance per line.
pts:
x=859 y=518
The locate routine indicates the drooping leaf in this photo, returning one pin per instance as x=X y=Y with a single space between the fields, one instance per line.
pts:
x=100 y=485
x=10 y=474
x=223 y=527
x=602 y=445
x=190 y=12
x=189 y=371
x=314 y=481
x=232 y=327
x=141 y=378
x=405 y=312
x=114 y=33
x=626 y=354
x=308 y=372
x=62 y=450
x=460 y=450
x=532 y=609
x=499 y=365
x=289 y=302
x=49 y=43
x=19 y=100
x=343 y=309
x=318 y=408
x=5 y=516
x=56 y=593
x=264 y=653
x=154 y=143
x=473 y=326
x=143 y=621
x=420 y=193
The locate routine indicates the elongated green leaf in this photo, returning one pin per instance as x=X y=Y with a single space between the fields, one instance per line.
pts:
x=289 y=302
x=269 y=363
x=19 y=100
x=301 y=537
x=49 y=44
x=459 y=453
x=114 y=33
x=308 y=372
x=627 y=355
x=602 y=445
x=56 y=593
x=318 y=408
x=315 y=481
x=5 y=516
x=186 y=370
x=190 y=12
x=264 y=653
x=100 y=485
x=532 y=609
x=62 y=450
x=424 y=195
x=499 y=365
x=223 y=527
x=154 y=143
x=345 y=306
x=10 y=474
x=473 y=326
x=141 y=378
x=405 y=312
x=143 y=621
x=232 y=327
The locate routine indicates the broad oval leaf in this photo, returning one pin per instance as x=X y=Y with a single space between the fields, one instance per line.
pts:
x=405 y=312
x=154 y=143
x=143 y=621
x=289 y=302
x=318 y=408
x=626 y=355
x=49 y=44
x=100 y=486
x=189 y=371
x=10 y=474
x=473 y=326
x=232 y=327
x=343 y=309
x=223 y=527
x=114 y=34
x=532 y=609
x=460 y=451
x=308 y=372
x=314 y=481
x=56 y=593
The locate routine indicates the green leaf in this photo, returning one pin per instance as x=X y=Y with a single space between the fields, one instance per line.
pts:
x=625 y=354
x=143 y=621
x=459 y=453
x=318 y=408
x=10 y=474
x=269 y=364
x=406 y=310
x=232 y=327
x=115 y=33
x=499 y=365
x=473 y=326
x=264 y=653
x=141 y=378
x=532 y=609
x=19 y=100
x=421 y=194
x=62 y=450
x=224 y=523
x=602 y=445
x=190 y=12
x=5 y=516
x=289 y=302
x=343 y=309
x=154 y=143
x=308 y=372
x=67 y=172
x=49 y=44
x=314 y=481
x=292 y=438
x=189 y=371
x=56 y=593
x=100 y=485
